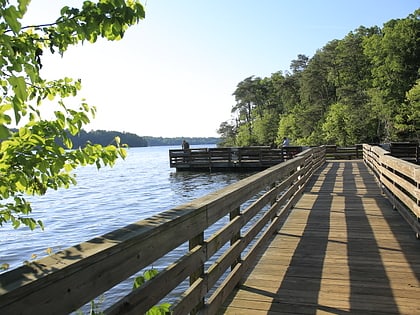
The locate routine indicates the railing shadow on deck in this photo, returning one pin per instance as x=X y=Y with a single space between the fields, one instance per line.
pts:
x=364 y=248
x=370 y=238
x=308 y=268
x=314 y=238
x=63 y=282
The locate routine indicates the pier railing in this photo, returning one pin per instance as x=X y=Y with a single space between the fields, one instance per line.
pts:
x=409 y=151
x=249 y=158
x=339 y=153
x=234 y=159
x=400 y=181
x=209 y=265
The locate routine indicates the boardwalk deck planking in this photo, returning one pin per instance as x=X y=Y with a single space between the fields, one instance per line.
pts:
x=342 y=249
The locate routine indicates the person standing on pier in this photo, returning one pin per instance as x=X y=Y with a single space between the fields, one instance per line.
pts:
x=186 y=149
x=185 y=145
x=285 y=142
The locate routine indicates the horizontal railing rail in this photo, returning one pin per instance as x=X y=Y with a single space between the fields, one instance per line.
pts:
x=217 y=236
x=400 y=181
x=409 y=151
x=339 y=153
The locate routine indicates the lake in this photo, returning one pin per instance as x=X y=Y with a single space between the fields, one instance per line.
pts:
x=136 y=188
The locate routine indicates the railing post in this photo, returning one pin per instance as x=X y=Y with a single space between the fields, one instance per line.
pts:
x=209 y=158
x=199 y=272
x=232 y=215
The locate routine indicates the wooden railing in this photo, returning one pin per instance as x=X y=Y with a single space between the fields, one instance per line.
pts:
x=400 y=181
x=339 y=153
x=408 y=151
x=234 y=159
x=240 y=217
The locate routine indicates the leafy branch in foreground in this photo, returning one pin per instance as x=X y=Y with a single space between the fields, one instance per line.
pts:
x=160 y=309
x=37 y=156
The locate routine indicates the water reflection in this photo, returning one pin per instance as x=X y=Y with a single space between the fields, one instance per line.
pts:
x=191 y=185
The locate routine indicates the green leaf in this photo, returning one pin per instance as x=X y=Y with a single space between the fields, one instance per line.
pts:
x=123 y=153
x=19 y=87
x=138 y=282
x=57 y=166
x=23 y=6
x=61 y=119
x=11 y=15
x=67 y=142
x=4 y=132
x=150 y=274
x=160 y=309
x=73 y=129
x=24 y=132
x=22 y=183
x=15 y=222
x=29 y=222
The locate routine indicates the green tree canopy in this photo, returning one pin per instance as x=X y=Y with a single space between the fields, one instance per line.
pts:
x=362 y=88
x=31 y=159
x=394 y=53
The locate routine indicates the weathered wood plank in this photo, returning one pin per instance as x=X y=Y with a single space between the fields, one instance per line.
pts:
x=342 y=249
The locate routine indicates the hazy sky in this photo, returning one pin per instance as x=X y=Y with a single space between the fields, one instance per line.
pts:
x=174 y=73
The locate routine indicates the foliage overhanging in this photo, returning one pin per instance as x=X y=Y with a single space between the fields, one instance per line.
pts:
x=31 y=158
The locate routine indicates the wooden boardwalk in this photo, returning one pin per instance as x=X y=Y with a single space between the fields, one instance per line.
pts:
x=341 y=250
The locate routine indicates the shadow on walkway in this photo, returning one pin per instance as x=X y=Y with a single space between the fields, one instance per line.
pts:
x=341 y=250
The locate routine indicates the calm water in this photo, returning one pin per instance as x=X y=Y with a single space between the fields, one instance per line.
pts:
x=105 y=200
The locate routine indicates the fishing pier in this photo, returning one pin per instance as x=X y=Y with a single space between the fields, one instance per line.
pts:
x=230 y=159
x=307 y=235
x=249 y=158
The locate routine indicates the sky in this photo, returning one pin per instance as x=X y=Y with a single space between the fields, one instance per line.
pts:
x=173 y=74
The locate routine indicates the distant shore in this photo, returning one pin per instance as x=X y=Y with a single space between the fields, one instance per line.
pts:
x=161 y=141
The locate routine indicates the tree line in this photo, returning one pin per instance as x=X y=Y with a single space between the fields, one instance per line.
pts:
x=364 y=88
x=104 y=138
x=161 y=141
